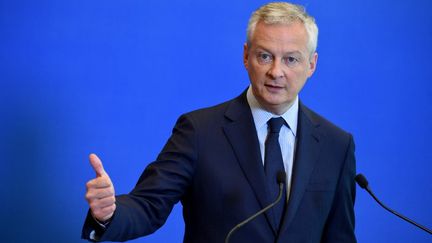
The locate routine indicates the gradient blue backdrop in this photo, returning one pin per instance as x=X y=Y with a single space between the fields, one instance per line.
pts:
x=111 y=77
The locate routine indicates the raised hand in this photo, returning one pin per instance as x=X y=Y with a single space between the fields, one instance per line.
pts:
x=100 y=193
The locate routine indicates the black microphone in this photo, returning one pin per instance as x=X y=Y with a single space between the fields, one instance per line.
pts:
x=363 y=183
x=281 y=178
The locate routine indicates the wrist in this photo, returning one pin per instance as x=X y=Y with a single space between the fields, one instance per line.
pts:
x=103 y=223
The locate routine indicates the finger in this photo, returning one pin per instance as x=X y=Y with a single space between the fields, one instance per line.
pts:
x=96 y=163
x=103 y=214
x=108 y=211
x=103 y=203
x=99 y=193
x=99 y=182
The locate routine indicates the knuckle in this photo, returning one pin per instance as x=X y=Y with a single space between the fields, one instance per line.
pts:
x=94 y=205
x=98 y=182
x=102 y=184
x=103 y=179
x=89 y=196
x=107 y=180
x=110 y=191
x=104 y=211
x=101 y=193
x=106 y=177
x=110 y=209
x=104 y=192
x=96 y=212
x=112 y=201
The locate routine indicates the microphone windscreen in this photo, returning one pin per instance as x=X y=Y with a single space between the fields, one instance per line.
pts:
x=281 y=177
x=361 y=181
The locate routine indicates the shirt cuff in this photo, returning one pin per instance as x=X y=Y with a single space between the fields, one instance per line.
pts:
x=102 y=224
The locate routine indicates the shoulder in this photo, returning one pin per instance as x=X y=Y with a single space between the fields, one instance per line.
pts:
x=327 y=128
x=220 y=113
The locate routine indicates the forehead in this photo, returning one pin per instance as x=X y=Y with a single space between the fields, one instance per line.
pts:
x=280 y=37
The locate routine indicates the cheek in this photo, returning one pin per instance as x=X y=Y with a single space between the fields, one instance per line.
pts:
x=298 y=78
x=256 y=74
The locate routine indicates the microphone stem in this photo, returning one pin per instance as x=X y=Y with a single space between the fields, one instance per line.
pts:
x=256 y=214
x=396 y=213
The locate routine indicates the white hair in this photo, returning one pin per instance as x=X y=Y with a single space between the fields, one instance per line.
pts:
x=285 y=13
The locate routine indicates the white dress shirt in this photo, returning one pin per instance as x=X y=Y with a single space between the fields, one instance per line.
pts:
x=286 y=136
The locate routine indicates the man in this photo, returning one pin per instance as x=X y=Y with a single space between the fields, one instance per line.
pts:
x=221 y=162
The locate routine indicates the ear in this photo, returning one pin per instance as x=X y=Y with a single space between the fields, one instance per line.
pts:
x=312 y=64
x=246 y=55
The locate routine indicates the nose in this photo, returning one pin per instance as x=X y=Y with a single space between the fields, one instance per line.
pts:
x=275 y=71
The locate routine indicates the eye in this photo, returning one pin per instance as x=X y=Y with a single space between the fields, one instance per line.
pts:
x=264 y=58
x=291 y=60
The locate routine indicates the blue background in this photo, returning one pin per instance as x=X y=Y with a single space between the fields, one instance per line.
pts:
x=111 y=77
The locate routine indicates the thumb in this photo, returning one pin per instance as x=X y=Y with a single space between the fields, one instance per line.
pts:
x=96 y=163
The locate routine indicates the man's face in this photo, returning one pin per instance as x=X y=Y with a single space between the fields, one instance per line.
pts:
x=278 y=63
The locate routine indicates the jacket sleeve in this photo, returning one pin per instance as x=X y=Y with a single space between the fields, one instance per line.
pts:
x=162 y=184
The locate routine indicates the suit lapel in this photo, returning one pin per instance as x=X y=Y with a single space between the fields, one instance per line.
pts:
x=307 y=153
x=241 y=133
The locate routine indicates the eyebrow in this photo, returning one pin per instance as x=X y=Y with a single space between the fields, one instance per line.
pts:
x=259 y=48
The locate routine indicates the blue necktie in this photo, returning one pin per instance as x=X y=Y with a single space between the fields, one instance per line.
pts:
x=273 y=163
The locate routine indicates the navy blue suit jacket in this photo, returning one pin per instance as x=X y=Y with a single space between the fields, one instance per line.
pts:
x=212 y=164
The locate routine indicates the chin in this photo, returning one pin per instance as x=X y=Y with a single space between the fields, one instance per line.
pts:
x=276 y=101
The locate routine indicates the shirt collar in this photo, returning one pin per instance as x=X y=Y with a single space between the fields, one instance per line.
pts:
x=261 y=116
